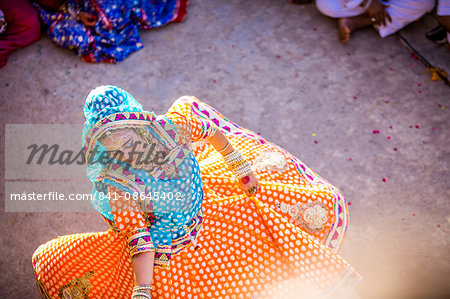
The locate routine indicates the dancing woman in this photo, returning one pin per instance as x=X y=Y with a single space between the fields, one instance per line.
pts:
x=197 y=207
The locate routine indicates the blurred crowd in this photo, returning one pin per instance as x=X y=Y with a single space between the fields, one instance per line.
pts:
x=108 y=30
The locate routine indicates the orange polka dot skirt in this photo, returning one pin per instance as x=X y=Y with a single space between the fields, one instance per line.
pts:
x=282 y=243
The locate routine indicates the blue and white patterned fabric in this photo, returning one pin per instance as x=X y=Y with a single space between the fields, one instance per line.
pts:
x=115 y=34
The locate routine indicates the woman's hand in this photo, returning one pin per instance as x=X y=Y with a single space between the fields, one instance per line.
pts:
x=378 y=14
x=249 y=183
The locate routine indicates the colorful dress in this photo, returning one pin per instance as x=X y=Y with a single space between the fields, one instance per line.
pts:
x=282 y=243
x=115 y=35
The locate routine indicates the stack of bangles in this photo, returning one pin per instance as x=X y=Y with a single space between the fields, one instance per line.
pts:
x=142 y=291
x=240 y=167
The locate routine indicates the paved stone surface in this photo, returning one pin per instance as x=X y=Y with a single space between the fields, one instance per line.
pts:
x=278 y=69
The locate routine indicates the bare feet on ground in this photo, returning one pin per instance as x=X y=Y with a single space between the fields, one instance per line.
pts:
x=345 y=29
x=348 y=25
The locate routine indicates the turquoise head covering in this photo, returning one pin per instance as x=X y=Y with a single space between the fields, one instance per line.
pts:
x=172 y=191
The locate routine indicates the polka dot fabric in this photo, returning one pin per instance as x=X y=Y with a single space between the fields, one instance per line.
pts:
x=282 y=243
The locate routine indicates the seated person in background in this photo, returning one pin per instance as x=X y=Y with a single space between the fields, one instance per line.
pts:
x=107 y=30
x=387 y=17
x=19 y=27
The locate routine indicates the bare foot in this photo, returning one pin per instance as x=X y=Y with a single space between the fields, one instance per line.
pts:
x=345 y=29
x=347 y=25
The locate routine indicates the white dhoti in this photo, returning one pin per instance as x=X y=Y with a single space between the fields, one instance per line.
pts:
x=402 y=12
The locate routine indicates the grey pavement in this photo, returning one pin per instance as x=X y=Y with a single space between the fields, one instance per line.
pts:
x=280 y=70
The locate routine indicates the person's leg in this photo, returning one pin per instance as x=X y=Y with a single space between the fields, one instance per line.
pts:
x=349 y=20
x=404 y=12
x=22 y=29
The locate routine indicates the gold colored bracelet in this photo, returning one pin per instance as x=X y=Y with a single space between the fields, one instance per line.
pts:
x=239 y=165
x=233 y=158
x=143 y=287
x=140 y=295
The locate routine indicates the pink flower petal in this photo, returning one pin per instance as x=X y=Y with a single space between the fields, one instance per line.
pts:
x=384 y=180
x=395 y=149
x=315 y=141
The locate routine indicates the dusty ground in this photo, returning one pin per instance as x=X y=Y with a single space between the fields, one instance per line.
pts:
x=278 y=69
